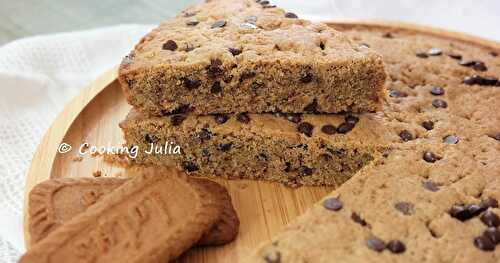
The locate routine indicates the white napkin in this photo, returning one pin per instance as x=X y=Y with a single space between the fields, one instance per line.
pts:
x=38 y=76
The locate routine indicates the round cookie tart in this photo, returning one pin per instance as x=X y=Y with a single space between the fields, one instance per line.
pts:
x=433 y=198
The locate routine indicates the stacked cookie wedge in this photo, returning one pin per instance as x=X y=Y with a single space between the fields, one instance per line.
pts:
x=248 y=90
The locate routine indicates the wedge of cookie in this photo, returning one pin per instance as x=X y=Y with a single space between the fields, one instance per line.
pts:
x=226 y=56
x=404 y=208
x=289 y=148
x=154 y=217
x=56 y=201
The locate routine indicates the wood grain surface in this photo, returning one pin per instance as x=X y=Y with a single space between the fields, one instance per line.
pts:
x=264 y=208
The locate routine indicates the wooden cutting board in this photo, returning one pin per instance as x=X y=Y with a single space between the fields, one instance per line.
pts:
x=93 y=116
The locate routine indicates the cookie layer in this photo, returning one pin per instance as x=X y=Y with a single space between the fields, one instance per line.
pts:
x=292 y=149
x=227 y=56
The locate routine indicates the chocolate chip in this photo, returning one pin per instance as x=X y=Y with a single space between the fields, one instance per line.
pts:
x=216 y=88
x=493 y=234
x=455 y=56
x=220 y=23
x=351 y=119
x=247 y=75
x=221 y=118
x=405 y=136
x=466 y=63
x=306 y=77
x=248 y=26
x=484 y=243
x=305 y=128
x=329 y=129
x=184 y=108
x=293 y=117
x=305 y=171
x=495 y=136
x=290 y=15
x=177 y=120
x=269 y=6
x=273 y=257
x=479 y=66
x=405 y=207
x=430 y=157
x=357 y=219
x=191 y=83
x=476 y=65
x=265 y=2
x=204 y=135
x=428 y=125
x=345 y=128
x=434 y=52
x=224 y=147
x=421 y=55
x=388 y=35
x=482 y=81
x=243 y=118
x=488 y=203
x=214 y=69
x=436 y=90
x=332 y=204
x=490 y=219
x=396 y=246
x=466 y=212
x=397 y=94
x=322 y=45
x=431 y=186
x=375 y=243
x=451 y=139
x=234 y=51
x=190 y=166
x=192 y=22
x=150 y=138
x=439 y=103
x=311 y=107
x=170 y=45
x=494 y=54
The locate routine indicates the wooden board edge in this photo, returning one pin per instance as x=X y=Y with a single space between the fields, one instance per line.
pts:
x=416 y=28
x=44 y=156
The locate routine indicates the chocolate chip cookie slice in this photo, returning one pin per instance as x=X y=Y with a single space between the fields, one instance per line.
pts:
x=227 y=56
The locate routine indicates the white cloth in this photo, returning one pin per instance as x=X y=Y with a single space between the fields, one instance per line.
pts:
x=39 y=75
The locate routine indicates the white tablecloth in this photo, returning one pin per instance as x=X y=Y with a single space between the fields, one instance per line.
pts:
x=39 y=75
